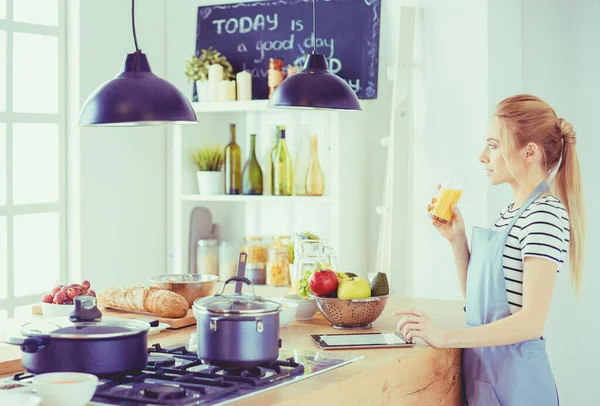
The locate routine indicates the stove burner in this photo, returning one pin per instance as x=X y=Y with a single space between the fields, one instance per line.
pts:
x=254 y=372
x=160 y=360
x=165 y=392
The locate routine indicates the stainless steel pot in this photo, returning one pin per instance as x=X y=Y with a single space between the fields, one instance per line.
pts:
x=237 y=330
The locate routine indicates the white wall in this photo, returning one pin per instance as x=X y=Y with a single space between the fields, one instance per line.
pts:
x=450 y=118
x=560 y=60
x=123 y=170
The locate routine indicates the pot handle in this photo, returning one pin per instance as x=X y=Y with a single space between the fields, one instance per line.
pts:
x=28 y=344
x=238 y=279
x=214 y=321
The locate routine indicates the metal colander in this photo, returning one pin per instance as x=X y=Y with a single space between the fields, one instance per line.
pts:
x=342 y=313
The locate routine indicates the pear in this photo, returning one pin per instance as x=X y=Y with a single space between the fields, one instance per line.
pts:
x=353 y=288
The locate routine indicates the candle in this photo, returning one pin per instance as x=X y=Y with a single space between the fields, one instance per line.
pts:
x=202 y=91
x=213 y=91
x=226 y=90
x=231 y=91
x=244 y=85
x=215 y=73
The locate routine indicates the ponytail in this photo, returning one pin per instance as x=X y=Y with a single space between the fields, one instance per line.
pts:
x=567 y=184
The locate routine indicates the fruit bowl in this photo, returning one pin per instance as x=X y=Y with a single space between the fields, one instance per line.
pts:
x=55 y=310
x=352 y=313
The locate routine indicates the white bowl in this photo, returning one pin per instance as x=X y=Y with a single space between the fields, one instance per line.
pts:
x=306 y=308
x=55 y=310
x=287 y=311
x=61 y=388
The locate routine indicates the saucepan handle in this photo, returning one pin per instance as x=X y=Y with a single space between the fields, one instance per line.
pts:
x=28 y=344
x=238 y=279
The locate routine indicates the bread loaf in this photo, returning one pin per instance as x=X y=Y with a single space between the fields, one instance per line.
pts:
x=161 y=302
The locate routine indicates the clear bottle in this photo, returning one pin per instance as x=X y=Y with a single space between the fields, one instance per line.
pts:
x=315 y=182
x=232 y=165
x=252 y=176
x=301 y=163
x=268 y=173
x=281 y=162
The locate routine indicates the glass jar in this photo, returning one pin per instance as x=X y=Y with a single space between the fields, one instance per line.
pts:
x=207 y=257
x=274 y=74
x=228 y=259
x=278 y=264
x=256 y=261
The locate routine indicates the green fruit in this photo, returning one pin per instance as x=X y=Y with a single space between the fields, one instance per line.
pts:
x=342 y=275
x=353 y=288
x=351 y=275
x=380 y=285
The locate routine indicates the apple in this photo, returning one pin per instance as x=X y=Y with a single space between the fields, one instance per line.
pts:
x=354 y=288
x=323 y=282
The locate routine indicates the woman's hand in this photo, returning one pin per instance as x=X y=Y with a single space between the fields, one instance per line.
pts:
x=452 y=230
x=415 y=323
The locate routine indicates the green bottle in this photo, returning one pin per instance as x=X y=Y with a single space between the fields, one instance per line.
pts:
x=252 y=176
x=233 y=165
x=281 y=163
x=268 y=174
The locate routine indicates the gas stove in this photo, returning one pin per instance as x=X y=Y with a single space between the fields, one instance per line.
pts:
x=178 y=377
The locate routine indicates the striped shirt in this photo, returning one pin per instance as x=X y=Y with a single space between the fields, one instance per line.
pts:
x=541 y=231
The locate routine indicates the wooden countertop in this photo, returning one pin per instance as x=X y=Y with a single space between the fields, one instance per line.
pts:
x=419 y=375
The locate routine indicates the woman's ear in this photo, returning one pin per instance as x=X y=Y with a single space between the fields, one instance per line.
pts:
x=532 y=152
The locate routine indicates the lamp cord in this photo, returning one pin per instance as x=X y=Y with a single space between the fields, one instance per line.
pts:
x=314 y=27
x=133 y=25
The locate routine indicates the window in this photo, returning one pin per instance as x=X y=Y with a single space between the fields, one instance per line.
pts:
x=32 y=152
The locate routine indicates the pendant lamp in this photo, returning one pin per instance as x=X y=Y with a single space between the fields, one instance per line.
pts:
x=315 y=87
x=136 y=97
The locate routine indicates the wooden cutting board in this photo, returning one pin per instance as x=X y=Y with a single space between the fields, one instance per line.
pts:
x=188 y=320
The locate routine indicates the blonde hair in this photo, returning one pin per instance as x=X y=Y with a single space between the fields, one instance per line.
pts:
x=525 y=118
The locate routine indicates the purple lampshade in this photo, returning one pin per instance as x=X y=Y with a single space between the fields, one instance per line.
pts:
x=314 y=87
x=136 y=97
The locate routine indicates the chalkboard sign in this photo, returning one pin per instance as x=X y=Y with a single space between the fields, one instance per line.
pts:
x=248 y=34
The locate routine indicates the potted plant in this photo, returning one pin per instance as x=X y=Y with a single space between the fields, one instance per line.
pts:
x=196 y=70
x=209 y=161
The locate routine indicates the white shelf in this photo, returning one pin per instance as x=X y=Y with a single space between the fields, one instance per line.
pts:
x=232 y=106
x=245 y=198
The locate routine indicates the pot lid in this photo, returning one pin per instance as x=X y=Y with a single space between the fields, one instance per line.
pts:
x=63 y=328
x=236 y=303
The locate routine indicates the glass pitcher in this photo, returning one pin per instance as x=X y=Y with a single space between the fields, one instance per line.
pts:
x=308 y=254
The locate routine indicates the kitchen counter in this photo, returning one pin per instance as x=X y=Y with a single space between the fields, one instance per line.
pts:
x=418 y=375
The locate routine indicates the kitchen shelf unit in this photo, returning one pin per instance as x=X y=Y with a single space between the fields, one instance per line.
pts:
x=256 y=199
x=252 y=215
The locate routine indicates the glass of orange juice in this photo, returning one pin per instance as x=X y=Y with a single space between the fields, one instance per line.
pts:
x=448 y=195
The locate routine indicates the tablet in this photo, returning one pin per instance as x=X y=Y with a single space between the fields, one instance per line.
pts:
x=361 y=340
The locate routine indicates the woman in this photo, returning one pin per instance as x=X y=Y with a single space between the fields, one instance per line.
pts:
x=508 y=276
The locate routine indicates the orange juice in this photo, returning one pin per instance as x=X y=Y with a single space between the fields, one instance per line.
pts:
x=442 y=209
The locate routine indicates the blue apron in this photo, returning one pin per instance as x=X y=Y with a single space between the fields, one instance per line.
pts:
x=509 y=375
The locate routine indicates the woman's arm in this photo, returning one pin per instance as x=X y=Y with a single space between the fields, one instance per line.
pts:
x=460 y=248
x=539 y=276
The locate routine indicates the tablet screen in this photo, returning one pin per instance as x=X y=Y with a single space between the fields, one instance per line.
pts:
x=362 y=339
